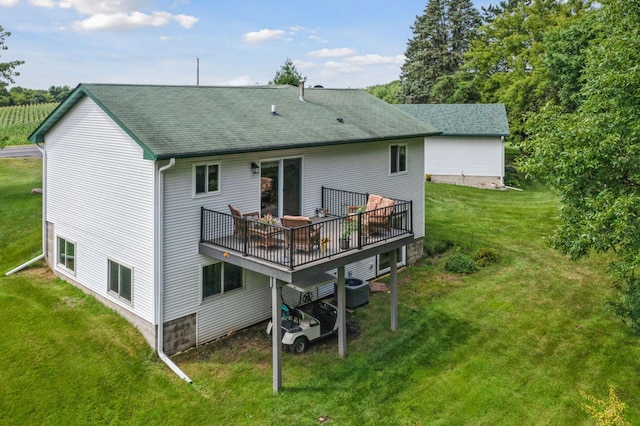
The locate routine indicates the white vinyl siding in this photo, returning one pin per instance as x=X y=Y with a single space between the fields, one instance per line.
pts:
x=100 y=195
x=358 y=167
x=457 y=155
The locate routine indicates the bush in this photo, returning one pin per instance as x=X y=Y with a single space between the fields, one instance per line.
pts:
x=461 y=263
x=434 y=248
x=486 y=256
x=511 y=177
x=627 y=308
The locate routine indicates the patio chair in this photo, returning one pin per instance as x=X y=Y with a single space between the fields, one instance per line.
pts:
x=238 y=219
x=377 y=214
x=305 y=236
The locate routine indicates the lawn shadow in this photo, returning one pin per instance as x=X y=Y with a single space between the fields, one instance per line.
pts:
x=383 y=373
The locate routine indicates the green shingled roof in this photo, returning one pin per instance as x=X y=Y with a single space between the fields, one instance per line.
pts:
x=189 y=121
x=462 y=119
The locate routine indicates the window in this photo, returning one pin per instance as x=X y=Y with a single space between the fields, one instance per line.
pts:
x=220 y=278
x=120 y=280
x=206 y=178
x=67 y=254
x=398 y=159
x=384 y=264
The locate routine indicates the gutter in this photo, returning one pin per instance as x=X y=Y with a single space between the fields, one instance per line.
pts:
x=44 y=214
x=159 y=275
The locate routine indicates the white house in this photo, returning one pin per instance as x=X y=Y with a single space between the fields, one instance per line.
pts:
x=470 y=150
x=138 y=181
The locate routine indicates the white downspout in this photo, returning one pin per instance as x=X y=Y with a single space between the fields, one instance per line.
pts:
x=503 y=154
x=44 y=214
x=159 y=275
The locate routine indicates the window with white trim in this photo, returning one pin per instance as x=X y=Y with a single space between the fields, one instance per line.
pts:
x=398 y=159
x=120 y=280
x=206 y=179
x=384 y=260
x=66 y=254
x=220 y=278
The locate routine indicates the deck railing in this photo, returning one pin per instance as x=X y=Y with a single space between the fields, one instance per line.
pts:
x=337 y=233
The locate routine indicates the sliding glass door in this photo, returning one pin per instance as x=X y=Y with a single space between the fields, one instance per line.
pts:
x=281 y=187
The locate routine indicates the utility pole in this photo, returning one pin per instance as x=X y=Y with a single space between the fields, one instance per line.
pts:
x=197 y=71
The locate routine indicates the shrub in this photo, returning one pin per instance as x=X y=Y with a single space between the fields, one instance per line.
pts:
x=427 y=177
x=627 y=307
x=486 y=256
x=434 y=248
x=605 y=413
x=511 y=177
x=461 y=263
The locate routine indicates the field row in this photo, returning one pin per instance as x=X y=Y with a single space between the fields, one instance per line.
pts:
x=18 y=122
x=23 y=114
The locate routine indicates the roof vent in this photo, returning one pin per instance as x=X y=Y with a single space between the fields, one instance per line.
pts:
x=301 y=84
x=340 y=120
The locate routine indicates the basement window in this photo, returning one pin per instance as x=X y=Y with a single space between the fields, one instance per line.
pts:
x=120 y=280
x=66 y=254
x=220 y=278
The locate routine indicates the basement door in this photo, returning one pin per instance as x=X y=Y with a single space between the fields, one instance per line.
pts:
x=281 y=187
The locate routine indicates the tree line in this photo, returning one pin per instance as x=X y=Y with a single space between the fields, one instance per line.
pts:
x=522 y=53
x=21 y=96
x=568 y=72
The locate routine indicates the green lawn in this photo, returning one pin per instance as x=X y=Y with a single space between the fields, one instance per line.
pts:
x=512 y=344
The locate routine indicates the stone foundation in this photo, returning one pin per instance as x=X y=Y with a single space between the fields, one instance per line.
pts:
x=478 y=181
x=415 y=251
x=179 y=334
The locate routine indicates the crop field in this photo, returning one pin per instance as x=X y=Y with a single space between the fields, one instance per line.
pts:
x=18 y=122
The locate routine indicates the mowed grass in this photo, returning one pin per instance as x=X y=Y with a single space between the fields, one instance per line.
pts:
x=512 y=344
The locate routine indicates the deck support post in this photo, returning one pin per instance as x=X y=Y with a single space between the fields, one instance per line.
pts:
x=342 y=314
x=393 y=284
x=276 y=332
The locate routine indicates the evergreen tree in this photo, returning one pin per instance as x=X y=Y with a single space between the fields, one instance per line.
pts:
x=441 y=37
x=287 y=74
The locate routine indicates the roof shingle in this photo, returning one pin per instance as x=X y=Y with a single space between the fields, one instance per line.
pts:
x=187 y=121
x=462 y=119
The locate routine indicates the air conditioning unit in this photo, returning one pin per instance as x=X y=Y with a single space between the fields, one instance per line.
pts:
x=357 y=292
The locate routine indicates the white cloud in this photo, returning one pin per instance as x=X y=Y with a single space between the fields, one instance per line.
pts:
x=243 y=80
x=341 y=67
x=8 y=3
x=186 y=21
x=318 y=39
x=376 y=59
x=122 y=21
x=305 y=64
x=116 y=15
x=263 y=35
x=42 y=3
x=340 y=52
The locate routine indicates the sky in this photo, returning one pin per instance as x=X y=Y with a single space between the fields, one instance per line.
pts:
x=333 y=43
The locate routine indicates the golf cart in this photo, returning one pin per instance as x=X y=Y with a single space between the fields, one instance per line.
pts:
x=299 y=328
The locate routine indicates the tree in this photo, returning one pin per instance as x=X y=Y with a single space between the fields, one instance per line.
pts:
x=59 y=93
x=507 y=55
x=457 y=88
x=441 y=36
x=387 y=92
x=590 y=157
x=7 y=68
x=565 y=57
x=287 y=74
